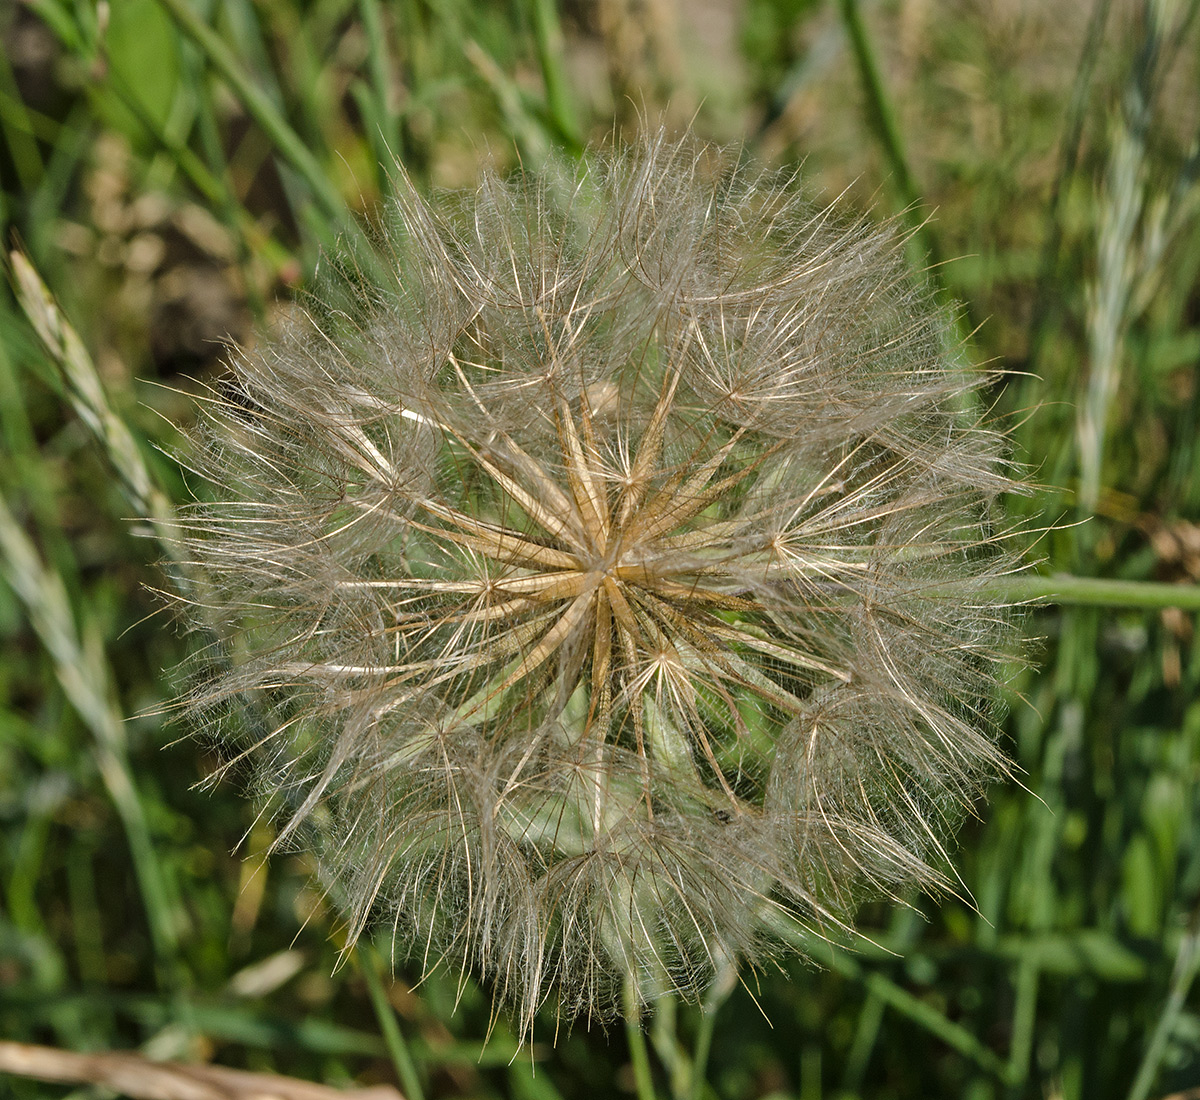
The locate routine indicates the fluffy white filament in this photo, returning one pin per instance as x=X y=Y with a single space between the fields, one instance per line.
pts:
x=616 y=575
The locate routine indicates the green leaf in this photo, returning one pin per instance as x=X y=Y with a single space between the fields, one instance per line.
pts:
x=141 y=48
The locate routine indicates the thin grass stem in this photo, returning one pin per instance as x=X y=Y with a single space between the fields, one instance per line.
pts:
x=881 y=117
x=1187 y=962
x=896 y=997
x=382 y=119
x=82 y=672
x=1024 y=1022
x=17 y=125
x=639 y=1055
x=402 y=1060
x=548 y=36
x=866 y=1034
x=879 y=107
x=704 y=1038
x=1065 y=589
x=1046 y=304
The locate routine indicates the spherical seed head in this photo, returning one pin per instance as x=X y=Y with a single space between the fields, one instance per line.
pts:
x=616 y=578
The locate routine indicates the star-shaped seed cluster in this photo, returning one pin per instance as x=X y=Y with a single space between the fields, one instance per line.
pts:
x=614 y=585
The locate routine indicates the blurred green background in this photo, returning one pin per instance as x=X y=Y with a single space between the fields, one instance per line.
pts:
x=173 y=168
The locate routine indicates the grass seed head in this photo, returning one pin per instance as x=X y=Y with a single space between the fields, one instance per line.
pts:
x=615 y=579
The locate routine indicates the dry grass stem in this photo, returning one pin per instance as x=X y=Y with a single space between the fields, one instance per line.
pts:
x=136 y=1076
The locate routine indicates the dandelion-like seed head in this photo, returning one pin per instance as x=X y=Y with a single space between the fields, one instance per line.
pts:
x=615 y=579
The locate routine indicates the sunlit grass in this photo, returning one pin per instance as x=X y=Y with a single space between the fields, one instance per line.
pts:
x=1065 y=967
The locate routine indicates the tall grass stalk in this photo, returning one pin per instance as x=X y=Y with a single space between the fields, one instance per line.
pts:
x=80 y=667
x=1120 y=263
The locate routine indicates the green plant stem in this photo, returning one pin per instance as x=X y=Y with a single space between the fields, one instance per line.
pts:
x=406 y=1069
x=704 y=1038
x=882 y=119
x=1096 y=592
x=866 y=1034
x=377 y=56
x=548 y=35
x=1024 y=1022
x=639 y=1056
x=879 y=108
x=381 y=119
x=16 y=123
x=1061 y=589
x=1047 y=305
x=1187 y=962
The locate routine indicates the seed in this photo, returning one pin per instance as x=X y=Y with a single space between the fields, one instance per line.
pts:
x=615 y=579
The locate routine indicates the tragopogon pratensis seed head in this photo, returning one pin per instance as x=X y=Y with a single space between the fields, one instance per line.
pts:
x=614 y=578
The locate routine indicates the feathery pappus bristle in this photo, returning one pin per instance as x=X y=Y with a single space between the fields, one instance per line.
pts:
x=614 y=578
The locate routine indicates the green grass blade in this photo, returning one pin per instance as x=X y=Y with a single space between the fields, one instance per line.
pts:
x=1187 y=963
x=402 y=1059
x=894 y=996
x=267 y=115
x=548 y=38
x=81 y=670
